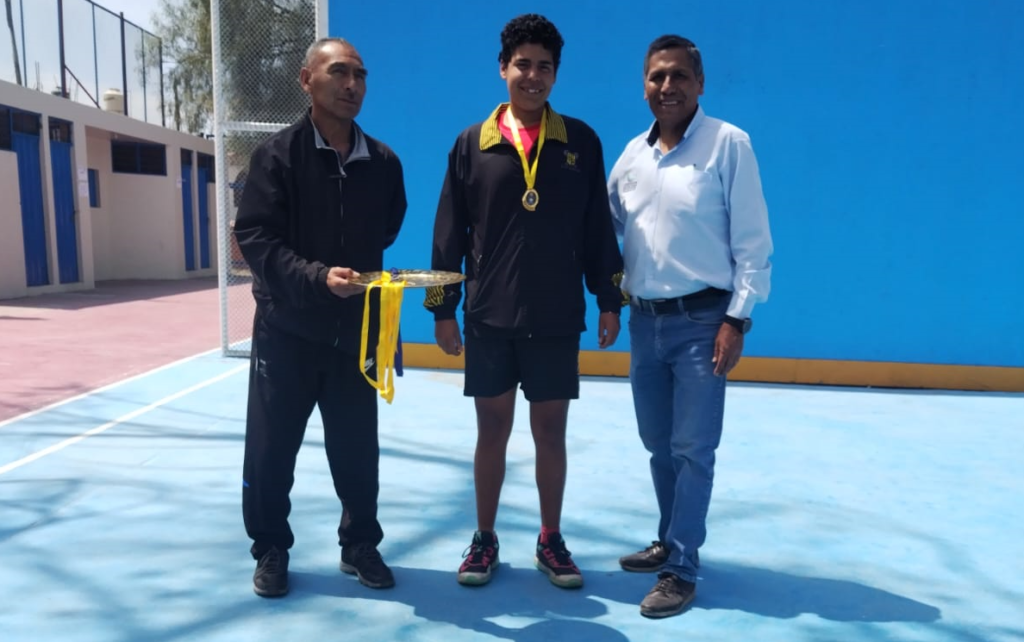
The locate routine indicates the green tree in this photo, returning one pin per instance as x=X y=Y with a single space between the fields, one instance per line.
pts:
x=262 y=46
x=184 y=28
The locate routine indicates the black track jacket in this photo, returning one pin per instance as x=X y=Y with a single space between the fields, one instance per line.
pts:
x=300 y=215
x=525 y=270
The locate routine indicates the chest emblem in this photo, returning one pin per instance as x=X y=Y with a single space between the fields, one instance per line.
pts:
x=571 y=160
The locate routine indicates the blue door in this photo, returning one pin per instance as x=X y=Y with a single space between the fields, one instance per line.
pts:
x=30 y=181
x=64 y=205
x=202 y=183
x=186 y=200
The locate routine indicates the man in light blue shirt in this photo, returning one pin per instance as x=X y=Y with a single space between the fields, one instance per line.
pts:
x=686 y=199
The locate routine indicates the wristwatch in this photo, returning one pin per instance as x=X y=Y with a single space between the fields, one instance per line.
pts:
x=743 y=325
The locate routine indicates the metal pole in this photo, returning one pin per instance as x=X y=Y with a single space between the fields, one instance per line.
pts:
x=24 y=45
x=163 y=112
x=145 y=101
x=63 y=64
x=95 y=52
x=124 y=70
x=221 y=169
x=322 y=26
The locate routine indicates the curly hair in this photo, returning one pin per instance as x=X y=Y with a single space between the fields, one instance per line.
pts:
x=532 y=29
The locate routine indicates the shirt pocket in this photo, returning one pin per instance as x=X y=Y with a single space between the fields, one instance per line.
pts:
x=691 y=190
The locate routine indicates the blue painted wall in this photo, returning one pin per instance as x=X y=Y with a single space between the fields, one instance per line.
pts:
x=890 y=135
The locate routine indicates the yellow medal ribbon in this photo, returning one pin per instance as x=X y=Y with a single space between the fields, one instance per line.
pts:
x=530 y=197
x=387 y=342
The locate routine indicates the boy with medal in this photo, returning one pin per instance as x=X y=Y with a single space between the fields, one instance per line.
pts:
x=524 y=207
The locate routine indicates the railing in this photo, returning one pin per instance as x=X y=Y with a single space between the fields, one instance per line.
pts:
x=85 y=52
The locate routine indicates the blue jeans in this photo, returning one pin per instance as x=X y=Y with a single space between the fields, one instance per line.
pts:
x=679 y=407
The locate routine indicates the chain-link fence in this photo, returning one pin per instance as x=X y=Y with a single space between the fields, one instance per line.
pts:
x=258 y=46
x=80 y=50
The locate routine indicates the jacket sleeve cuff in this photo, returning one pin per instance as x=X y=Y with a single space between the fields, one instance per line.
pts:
x=321 y=280
x=611 y=303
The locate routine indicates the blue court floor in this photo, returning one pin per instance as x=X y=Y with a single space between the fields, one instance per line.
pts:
x=838 y=514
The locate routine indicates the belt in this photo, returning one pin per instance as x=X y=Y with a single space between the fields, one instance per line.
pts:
x=706 y=298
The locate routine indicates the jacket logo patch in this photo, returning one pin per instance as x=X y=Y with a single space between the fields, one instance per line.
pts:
x=572 y=160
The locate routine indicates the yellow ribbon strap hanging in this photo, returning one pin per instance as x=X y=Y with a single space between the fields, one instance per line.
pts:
x=387 y=343
x=530 y=196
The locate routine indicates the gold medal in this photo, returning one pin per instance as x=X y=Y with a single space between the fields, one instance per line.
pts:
x=530 y=197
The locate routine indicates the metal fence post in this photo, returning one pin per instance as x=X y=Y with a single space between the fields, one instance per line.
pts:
x=221 y=168
x=63 y=62
x=24 y=45
x=163 y=111
x=320 y=25
x=95 y=53
x=145 y=98
x=242 y=121
x=124 y=69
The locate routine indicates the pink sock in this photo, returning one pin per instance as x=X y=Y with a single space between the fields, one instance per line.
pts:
x=546 y=532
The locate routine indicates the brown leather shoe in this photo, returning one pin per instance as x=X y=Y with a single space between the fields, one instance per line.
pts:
x=671 y=595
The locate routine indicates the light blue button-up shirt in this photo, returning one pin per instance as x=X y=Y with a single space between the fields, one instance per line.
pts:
x=693 y=217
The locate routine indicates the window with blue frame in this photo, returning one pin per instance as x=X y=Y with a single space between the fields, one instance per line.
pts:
x=94 y=188
x=138 y=158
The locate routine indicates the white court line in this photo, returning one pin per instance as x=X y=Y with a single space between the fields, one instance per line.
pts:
x=115 y=384
x=120 y=420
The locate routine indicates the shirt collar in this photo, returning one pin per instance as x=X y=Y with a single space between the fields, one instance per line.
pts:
x=360 y=150
x=655 y=132
x=554 y=128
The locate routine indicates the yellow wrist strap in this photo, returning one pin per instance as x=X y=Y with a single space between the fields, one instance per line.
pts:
x=387 y=344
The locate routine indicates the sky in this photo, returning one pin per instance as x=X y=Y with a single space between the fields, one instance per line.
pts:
x=138 y=11
x=93 y=48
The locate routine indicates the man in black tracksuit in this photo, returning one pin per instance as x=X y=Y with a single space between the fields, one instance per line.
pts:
x=525 y=207
x=321 y=203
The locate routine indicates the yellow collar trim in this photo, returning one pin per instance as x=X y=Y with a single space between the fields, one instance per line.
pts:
x=490 y=135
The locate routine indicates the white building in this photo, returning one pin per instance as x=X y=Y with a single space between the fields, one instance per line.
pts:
x=88 y=195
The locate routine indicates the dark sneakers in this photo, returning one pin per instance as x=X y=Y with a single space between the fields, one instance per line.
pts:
x=481 y=560
x=363 y=561
x=648 y=560
x=669 y=596
x=271 y=576
x=555 y=560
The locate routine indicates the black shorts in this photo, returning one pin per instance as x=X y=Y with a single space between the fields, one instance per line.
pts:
x=548 y=368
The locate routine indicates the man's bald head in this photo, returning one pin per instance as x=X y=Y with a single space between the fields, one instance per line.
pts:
x=320 y=45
